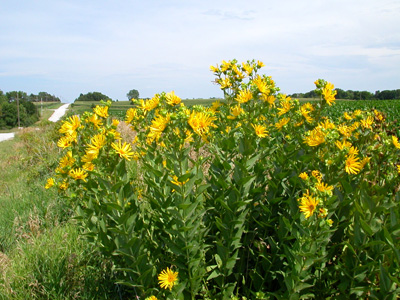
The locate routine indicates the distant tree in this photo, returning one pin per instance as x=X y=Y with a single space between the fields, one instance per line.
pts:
x=45 y=97
x=133 y=94
x=386 y=94
x=340 y=94
x=30 y=108
x=311 y=94
x=94 y=96
x=12 y=96
x=3 y=97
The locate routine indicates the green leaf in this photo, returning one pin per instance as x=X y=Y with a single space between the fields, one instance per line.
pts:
x=384 y=282
x=367 y=229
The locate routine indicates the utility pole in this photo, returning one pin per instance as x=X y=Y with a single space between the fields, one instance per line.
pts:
x=18 y=111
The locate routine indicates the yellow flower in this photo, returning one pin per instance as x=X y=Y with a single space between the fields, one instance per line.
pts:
x=308 y=204
x=353 y=151
x=303 y=176
x=235 y=111
x=78 y=174
x=286 y=104
x=131 y=115
x=398 y=169
x=101 y=111
x=247 y=68
x=327 y=124
x=344 y=130
x=157 y=126
x=201 y=122
x=261 y=84
x=342 y=145
x=315 y=137
x=67 y=160
x=396 y=141
x=50 y=182
x=64 y=142
x=150 y=104
x=88 y=166
x=244 y=96
x=214 y=69
x=261 y=131
x=317 y=174
x=224 y=83
x=69 y=127
x=151 y=298
x=330 y=222
x=367 y=122
x=64 y=185
x=353 y=166
x=260 y=64
x=364 y=161
x=329 y=94
x=323 y=212
x=305 y=112
x=88 y=157
x=124 y=151
x=225 y=65
x=189 y=136
x=238 y=73
x=347 y=116
x=282 y=122
x=172 y=99
x=176 y=182
x=97 y=142
x=324 y=187
x=379 y=115
x=94 y=119
x=115 y=122
x=167 y=278
x=215 y=105
x=270 y=99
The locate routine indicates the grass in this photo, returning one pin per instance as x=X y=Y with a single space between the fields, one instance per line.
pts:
x=42 y=254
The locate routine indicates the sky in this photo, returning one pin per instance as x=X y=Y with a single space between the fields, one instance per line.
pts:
x=71 y=47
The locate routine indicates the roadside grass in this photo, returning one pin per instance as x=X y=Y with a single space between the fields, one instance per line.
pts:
x=42 y=254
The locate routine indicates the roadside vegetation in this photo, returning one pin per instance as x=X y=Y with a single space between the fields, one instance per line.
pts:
x=42 y=254
x=259 y=196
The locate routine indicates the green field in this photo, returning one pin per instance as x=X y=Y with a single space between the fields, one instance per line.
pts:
x=118 y=108
x=390 y=107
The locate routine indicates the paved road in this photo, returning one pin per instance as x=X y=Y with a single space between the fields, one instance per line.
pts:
x=57 y=115
x=59 y=112
x=6 y=136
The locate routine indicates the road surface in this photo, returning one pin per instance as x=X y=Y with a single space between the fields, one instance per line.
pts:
x=59 y=112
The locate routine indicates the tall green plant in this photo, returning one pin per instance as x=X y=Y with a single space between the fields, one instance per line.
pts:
x=262 y=197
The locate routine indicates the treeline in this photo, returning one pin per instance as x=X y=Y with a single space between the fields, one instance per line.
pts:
x=26 y=110
x=355 y=95
x=41 y=96
x=94 y=96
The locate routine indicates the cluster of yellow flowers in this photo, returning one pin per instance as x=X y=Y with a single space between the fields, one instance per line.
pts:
x=252 y=103
x=84 y=138
x=320 y=191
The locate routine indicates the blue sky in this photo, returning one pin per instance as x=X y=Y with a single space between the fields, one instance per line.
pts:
x=70 y=47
